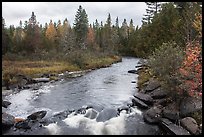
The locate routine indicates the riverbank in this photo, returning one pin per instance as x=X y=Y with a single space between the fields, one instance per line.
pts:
x=16 y=74
x=183 y=117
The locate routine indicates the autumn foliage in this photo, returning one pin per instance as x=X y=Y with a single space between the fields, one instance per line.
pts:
x=191 y=71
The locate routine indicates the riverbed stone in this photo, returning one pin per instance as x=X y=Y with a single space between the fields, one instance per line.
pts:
x=132 y=71
x=37 y=115
x=106 y=114
x=8 y=120
x=171 y=128
x=190 y=105
x=152 y=115
x=5 y=103
x=158 y=93
x=164 y=101
x=144 y=97
x=190 y=124
x=152 y=85
x=139 y=103
x=171 y=112
x=23 y=124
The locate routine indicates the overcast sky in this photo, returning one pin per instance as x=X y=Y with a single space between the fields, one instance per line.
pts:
x=13 y=12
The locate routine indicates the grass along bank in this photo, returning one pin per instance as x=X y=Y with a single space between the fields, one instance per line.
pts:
x=10 y=69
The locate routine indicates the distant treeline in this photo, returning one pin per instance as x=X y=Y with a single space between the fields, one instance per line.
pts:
x=163 y=22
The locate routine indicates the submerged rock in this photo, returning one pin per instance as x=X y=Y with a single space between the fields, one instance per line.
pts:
x=106 y=114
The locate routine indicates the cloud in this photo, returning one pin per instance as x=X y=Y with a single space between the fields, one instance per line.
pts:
x=13 y=12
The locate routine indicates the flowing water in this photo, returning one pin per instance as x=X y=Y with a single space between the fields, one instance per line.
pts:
x=104 y=88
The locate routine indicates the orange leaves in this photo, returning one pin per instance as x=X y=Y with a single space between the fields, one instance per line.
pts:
x=90 y=36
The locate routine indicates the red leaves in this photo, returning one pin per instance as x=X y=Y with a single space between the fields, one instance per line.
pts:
x=191 y=70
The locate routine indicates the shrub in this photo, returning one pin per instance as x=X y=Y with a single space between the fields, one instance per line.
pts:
x=165 y=62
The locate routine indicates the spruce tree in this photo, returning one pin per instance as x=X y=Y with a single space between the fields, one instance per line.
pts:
x=81 y=26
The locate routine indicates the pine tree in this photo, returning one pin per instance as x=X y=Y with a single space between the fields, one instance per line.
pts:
x=124 y=29
x=81 y=26
x=131 y=27
x=153 y=8
x=32 y=20
x=6 y=44
x=117 y=23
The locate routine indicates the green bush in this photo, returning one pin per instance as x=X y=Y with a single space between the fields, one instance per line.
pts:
x=165 y=62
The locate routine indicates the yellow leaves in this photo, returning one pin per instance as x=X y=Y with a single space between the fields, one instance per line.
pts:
x=51 y=32
x=197 y=24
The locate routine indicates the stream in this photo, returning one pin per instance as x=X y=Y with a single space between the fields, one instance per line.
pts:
x=103 y=89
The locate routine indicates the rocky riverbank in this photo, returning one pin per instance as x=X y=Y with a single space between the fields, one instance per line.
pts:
x=184 y=118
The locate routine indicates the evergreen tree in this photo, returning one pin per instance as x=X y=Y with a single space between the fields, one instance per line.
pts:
x=117 y=23
x=5 y=38
x=153 y=8
x=81 y=26
x=131 y=27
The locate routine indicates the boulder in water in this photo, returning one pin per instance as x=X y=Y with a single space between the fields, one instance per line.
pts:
x=106 y=114
x=145 y=98
x=37 y=115
x=139 y=103
x=5 y=104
